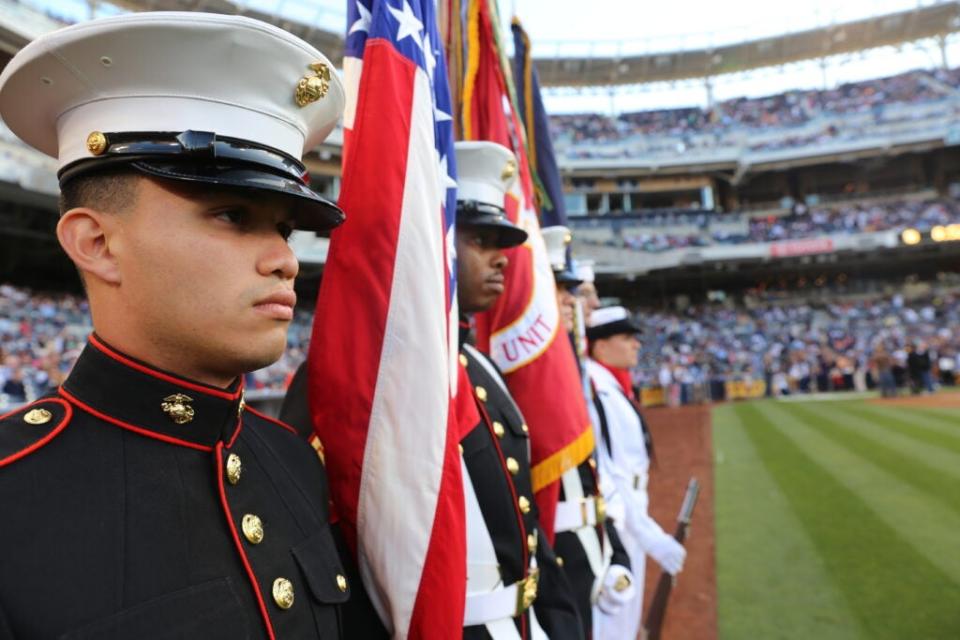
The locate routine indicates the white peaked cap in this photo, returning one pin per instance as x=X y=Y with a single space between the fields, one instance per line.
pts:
x=607 y=315
x=169 y=72
x=584 y=270
x=609 y=321
x=557 y=239
x=485 y=172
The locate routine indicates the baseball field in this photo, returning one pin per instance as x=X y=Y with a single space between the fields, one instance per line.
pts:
x=826 y=519
x=837 y=519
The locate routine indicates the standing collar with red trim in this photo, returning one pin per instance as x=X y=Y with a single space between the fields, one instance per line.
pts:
x=134 y=395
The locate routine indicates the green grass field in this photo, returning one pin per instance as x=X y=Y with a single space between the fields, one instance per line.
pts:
x=837 y=519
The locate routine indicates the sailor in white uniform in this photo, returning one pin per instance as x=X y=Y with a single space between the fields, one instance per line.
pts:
x=595 y=560
x=625 y=450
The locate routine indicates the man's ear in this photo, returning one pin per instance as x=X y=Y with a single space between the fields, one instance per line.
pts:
x=85 y=235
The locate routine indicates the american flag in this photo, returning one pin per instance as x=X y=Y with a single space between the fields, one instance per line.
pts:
x=383 y=358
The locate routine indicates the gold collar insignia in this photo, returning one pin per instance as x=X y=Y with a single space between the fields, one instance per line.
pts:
x=177 y=407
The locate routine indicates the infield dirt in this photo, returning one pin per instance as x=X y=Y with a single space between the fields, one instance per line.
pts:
x=945 y=400
x=683 y=448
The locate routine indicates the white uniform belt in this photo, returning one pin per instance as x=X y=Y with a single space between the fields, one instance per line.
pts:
x=501 y=602
x=576 y=514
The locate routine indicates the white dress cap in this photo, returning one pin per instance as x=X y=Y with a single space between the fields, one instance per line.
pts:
x=557 y=239
x=170 y=72
x=584 y=270
x=485 y=171
x=609 y=321
x=607 y=315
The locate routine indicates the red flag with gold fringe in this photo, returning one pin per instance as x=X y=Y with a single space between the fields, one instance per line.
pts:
x=522 y=333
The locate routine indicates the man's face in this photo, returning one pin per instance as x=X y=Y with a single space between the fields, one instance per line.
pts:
x=567 y=302
x=619 y=350
x=587 y=292
x=206 y=277
x=480 y=265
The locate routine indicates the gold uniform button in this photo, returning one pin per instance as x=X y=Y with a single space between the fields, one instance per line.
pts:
x=481 y=393
x=463 y=360
x=341 y=582
x=460 y=446
x=525 y=428
x=622 y=584
x=234 y=468
x=498 y=429
x=283 y=593
x=559 y=561
x=532 y=543
x=524 y=504
x=513 y=466
x=37 y=416
x=252 y=528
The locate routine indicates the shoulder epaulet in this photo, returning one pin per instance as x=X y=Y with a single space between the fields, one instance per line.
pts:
x=26 y=429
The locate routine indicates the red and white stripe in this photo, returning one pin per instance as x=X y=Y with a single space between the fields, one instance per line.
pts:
x=380 y=357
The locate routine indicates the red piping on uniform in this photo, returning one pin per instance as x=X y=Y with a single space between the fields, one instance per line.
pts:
x=239 y=545
x=45 y=439
x=273 y=420
x=126 y=425
x=226 y=395
x=513 y=491
x=236 y=433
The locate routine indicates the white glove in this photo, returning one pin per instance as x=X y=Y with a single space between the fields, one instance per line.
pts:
x=668 y=553
x=618 y=588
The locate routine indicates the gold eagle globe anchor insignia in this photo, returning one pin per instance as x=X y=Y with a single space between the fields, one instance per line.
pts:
x=177 y=407
x=311 y=88
x=509 y=170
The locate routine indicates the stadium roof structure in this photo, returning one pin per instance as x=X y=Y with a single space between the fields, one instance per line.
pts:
x=933 y=21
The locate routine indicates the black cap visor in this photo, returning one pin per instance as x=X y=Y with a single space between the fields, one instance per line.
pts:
x=625 y=326
x=311 y=211
x=201 y=157
x=478 y=215
x=567 y=278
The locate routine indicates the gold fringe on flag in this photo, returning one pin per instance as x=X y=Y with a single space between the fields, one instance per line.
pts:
x=473 y=63
x=548 y=471
x=451 y=20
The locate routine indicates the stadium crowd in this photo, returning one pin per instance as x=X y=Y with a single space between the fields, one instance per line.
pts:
x=854 y=218
x=791 y=346
x=677 y=230
x=793 y=113
x=42 y=334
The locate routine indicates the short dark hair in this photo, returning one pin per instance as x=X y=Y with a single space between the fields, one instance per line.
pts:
x=110 y=191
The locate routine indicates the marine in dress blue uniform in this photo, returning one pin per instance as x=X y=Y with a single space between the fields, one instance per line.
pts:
x=515 y=588
x=143 y=499
x=594 y=557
